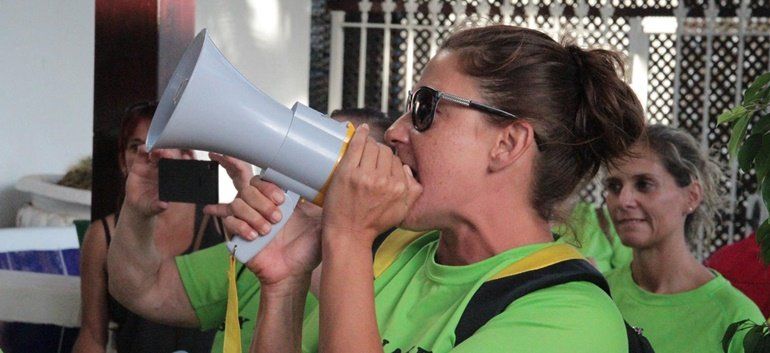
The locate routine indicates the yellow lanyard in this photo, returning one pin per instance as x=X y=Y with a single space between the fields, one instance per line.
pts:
x=232 y=326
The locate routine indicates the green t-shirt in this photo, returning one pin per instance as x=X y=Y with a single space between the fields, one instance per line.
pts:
x=583 y=230
x=693 y=321
x=204 y=276
x=418 y=304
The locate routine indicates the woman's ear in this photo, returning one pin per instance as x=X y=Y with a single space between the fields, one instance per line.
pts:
x=512 y=142
x=694 y=195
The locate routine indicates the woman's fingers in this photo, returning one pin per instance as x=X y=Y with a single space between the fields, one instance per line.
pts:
x=396 y=167
x=356 y=147
x=249 y=212
x=269 y=189
x=369 y=155
x=413 y=187
x=256 y=209
x=159 y=153
x=384 y=158
x=239 y=171
x=220 y=210
x=238 y=226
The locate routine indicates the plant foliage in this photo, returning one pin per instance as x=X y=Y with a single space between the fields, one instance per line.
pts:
x=750 y=143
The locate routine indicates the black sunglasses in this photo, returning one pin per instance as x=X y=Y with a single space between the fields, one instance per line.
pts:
x=422 y=103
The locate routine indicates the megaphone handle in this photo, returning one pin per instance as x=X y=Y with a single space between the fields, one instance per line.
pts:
x=245 y=250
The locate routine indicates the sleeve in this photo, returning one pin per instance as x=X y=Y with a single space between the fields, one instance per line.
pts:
x=577 y=317
x=743 y=308
x=204 y=277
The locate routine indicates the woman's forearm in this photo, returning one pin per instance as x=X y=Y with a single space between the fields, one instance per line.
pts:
x=347 y=312
x=142 y=278
x=280 y=316
x=133 y=261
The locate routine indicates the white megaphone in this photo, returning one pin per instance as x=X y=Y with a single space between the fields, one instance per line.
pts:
x=208 y=105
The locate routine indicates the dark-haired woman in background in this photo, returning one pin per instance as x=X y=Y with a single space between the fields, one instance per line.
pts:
x=184 y=228
x=658 y=200
x=503 y=125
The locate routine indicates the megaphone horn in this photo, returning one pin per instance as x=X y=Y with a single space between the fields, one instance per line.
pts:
x=208 y=105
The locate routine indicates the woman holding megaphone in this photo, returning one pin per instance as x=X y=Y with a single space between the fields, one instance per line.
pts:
x=503 y=125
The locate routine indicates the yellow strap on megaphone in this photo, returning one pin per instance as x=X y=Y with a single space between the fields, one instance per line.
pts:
x=232 y=342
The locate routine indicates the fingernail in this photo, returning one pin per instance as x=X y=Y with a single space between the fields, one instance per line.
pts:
x=276 y=216
x=364 y=125
x=408 y=170
x=265 y=229
x=253 y=235
x=278 y=197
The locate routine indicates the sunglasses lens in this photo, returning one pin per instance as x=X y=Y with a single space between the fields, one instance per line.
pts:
x=422 y=109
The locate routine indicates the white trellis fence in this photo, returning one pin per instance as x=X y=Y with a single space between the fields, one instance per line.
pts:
x=685 y=70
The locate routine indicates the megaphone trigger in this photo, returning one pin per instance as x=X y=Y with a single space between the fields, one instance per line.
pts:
x=250 y=248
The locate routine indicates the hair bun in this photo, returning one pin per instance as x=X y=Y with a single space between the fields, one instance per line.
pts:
x=577 y=54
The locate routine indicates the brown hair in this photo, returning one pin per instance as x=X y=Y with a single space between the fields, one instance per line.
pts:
x=130 y=120
x=375 y=118
x=582 y=112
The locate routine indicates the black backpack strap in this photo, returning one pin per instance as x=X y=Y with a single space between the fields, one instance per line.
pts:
x=537 y=271
x=494 y=296
x=637 y=343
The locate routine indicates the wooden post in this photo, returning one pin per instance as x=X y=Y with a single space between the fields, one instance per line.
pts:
x=137 y=46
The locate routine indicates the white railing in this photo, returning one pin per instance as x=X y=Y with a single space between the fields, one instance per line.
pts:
x=583 y=29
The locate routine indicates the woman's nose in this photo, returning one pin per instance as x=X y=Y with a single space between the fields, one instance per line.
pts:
x=627 y=197
x=398 y=132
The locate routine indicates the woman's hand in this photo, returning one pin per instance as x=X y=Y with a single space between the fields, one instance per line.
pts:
x=370 y=192
x=142 y=182
x=295 y=251
x=240 y=173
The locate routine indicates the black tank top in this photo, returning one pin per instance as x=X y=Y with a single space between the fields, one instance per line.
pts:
x=138 y=335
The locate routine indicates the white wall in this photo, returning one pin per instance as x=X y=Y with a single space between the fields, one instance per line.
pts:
x=46 y=70
x=46 y=91
x=268 y=41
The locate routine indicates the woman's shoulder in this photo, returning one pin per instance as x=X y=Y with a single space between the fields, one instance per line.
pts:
x=574 y=303
x=97 y=233
x=734 y=304
x=578 y=294
x=581 y=314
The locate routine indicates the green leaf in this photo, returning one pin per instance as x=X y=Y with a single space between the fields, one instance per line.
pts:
x=748 y=152
x=762 y=126
x=753 y=92
x=730 y=332
x=762 y=164
x=763 y=231
x=737 y=135
x=752 y=338
x=763 y=239
x=766 y=192
x=733 y=114
x=765 y=343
